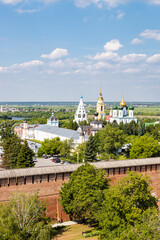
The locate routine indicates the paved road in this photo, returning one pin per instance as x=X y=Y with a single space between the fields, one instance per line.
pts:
x=42 y=162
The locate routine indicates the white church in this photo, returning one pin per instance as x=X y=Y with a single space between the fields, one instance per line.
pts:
x=122 y=113
x=81 y=114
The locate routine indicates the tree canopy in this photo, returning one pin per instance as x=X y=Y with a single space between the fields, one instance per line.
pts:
x=110 y=139
x=16 y=154
x=82 y=196
x=90 y=150
x=124 y=204
x=23 y=217
x=144 y=147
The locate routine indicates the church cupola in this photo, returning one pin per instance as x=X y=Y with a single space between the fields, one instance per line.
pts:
x=53 y=121
x=131 y=110
x=120 y=111
x=115 y=110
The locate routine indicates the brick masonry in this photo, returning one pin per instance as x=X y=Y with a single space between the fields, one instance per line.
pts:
x=48 y=186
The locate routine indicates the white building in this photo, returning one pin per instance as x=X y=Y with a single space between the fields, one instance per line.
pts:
x=81 y=114
x=122 y=113
x=53 y=121
x=47 y=131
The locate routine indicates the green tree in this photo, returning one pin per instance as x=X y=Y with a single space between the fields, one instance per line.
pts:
x=90 y=150
x=6 y=133
x=23 y=217
x=82 y=196
x=25 y=156
x=70 y=124
x=147 y=228
x=50 y=147
x=124 y=204
x=144 y=147
x=12 y=147
x=110 y=139
x=67 y=146
x=141 y=129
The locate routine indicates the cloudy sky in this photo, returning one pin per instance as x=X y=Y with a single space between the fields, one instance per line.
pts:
x=58 y=50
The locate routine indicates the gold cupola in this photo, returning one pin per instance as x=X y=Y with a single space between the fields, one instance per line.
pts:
x=123 y=103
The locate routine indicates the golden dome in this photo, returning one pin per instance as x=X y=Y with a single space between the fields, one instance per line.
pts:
x=123 y=103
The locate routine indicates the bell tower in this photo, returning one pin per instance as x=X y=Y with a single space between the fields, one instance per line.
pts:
x=100 y=107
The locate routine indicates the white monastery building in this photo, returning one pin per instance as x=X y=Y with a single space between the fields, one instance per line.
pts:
x=48 y=131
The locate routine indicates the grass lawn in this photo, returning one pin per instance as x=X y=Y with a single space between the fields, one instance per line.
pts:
x=74 y=232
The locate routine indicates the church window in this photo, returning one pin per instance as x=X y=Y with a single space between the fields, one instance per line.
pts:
x=79 y=115
x=101 y=108
x=83 y=115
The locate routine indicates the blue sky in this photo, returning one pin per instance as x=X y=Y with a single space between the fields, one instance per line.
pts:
x=58 y=50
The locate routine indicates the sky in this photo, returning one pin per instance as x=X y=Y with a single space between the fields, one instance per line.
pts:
x=59 y=50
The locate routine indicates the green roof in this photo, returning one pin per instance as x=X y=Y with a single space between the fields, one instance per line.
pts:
x=120 y=107
x=131 y=107
x=115 y=107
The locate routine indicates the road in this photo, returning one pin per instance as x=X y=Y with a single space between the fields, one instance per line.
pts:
x=42 y=162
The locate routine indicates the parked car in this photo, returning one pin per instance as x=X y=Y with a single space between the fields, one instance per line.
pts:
x=67 y=162
x=53 y=159
x=57 y=160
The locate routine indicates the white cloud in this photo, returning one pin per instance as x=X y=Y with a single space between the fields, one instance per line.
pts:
x=49 y=1
x=57 y=64
x=113 y=45
x=120 y=14
x=98 y=65
x=136 y=41
x=156 y=2
x=132 y=70
x=57 y=53
x=28 y=64
x=151 y=34
x=28 y=10
x=106 y=56
x=65 y=73
x=12 y=2
x=153 y=59
x=133 y=57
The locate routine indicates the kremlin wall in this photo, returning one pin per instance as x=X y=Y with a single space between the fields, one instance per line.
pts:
x=48 y=180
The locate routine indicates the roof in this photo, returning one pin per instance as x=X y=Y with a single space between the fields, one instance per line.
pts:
x=73 y=167
x=63 y=132
x=123 y=103
x=95 y=122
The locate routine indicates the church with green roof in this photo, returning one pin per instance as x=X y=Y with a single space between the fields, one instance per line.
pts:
x=122 y=113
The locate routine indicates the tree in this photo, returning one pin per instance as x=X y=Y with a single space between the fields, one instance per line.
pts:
x=124 y=204
x=90 y=150
x=141 y=129
x=50 y=147
x=25 y=156
x=12 y=147
x=6 y=133
x=110 y=140
x=67 y=145
x=147 y=228
x=82 y=196
x=144 y=147
x=23 y=217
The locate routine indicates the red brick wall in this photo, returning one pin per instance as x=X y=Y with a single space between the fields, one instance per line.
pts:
x=49 y=188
